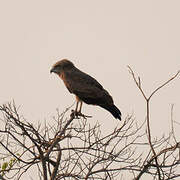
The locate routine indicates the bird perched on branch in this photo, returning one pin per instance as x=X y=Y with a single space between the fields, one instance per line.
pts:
x=86 y=88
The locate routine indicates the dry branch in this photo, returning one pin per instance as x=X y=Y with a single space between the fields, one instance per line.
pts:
x=70 y=148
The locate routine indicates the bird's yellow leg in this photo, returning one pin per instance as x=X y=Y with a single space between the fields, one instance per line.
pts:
x=77 y=105
x=78 y=113
x=80 y=107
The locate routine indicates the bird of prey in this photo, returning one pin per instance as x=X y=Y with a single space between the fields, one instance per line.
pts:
x=86 y=88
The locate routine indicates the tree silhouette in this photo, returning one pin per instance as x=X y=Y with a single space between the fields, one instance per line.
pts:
x=71 y=148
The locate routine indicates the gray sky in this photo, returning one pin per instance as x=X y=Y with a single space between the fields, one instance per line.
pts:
x=101 y=38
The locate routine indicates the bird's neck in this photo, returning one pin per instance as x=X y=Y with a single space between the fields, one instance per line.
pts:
x=62 y=75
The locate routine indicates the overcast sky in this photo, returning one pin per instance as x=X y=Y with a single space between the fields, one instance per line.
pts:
x=101 y=37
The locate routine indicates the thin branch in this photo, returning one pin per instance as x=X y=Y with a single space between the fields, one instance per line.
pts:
x=168 y=81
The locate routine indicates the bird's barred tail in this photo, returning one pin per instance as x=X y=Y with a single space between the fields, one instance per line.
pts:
x=113 y=110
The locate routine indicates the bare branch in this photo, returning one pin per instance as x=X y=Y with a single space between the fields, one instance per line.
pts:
x=71 y=148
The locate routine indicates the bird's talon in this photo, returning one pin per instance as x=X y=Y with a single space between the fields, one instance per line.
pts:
x=83 y=115
x=79 y=114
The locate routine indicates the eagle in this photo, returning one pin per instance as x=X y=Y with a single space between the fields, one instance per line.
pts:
x=86 y=88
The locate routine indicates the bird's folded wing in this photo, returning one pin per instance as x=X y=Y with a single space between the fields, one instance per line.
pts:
x=86 y=87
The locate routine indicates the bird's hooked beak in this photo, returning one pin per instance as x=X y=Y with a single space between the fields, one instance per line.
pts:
x=53 y=69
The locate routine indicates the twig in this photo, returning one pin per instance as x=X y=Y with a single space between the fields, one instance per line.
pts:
x=138 y=84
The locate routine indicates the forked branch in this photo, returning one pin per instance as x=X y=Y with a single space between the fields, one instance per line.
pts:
x=137 y=81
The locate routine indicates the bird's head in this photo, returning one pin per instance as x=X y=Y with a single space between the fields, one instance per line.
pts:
x=61 y=66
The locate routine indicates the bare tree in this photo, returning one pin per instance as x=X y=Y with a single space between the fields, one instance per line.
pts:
x=168 y=157
x=71 y=148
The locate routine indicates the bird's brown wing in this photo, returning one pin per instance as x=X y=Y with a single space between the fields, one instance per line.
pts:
x=86 y=88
